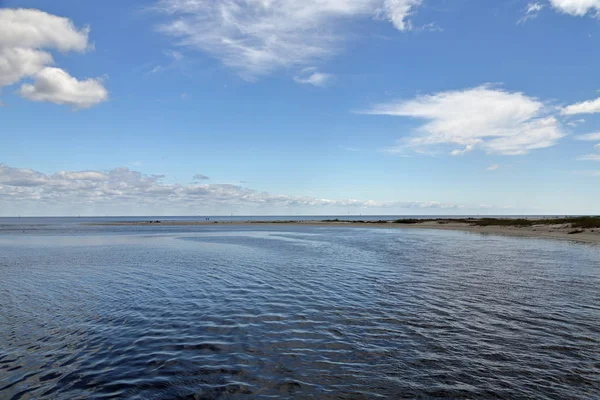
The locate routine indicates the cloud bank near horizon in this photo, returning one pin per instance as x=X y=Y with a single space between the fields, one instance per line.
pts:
x=121 y=187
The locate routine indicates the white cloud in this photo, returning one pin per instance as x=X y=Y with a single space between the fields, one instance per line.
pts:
x=398 y=11
x=589 y=137
x=589 y=157
x=468 y=148
x=122 y=186
x=493 y=167
x=531 y=12
x=176 y=57
x=576 y=122
x=57 y=86
x=256 y=37
x=430 y=27
x=577 y=8
x=17 y=63
x=310 y=76
x=533 y=8
x=584 y=107
x=483 y=117
x=27 y=28
x=352 y=149
x=24 y=34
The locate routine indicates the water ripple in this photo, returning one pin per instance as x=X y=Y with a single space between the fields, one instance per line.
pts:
x=208 y=312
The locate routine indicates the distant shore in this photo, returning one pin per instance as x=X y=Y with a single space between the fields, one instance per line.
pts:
x=581 y=229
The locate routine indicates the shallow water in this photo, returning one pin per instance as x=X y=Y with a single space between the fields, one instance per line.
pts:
x=295 y=311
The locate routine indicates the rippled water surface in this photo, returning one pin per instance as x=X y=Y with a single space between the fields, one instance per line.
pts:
x=296 y=311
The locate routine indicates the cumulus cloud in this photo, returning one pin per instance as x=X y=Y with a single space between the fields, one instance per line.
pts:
x=57 y=86
x=577 y=8
x=25 y=37
x=17 y=63
x=484 y=117
x=256 y=37
x=584 y=107
x=531 y=12
x=310 y=76
x=27 y=28
x=123 y=186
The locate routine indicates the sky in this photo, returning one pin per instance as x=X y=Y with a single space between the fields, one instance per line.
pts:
x=281 y=107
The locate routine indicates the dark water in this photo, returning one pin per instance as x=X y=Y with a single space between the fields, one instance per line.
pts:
x=300 y=312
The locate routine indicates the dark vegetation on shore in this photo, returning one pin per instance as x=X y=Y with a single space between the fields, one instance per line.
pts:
x=575 y=222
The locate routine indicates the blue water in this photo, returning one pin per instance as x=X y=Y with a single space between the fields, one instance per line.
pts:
x=154 y=312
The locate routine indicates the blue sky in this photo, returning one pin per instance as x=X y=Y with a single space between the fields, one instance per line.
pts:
x=320 y=107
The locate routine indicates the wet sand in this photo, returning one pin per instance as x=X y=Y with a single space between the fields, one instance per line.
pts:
x=558 y=231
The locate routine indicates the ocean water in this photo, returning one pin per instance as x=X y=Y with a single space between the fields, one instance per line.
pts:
x=194 y=312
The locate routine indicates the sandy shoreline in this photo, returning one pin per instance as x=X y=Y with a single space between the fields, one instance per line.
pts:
x=558 y=231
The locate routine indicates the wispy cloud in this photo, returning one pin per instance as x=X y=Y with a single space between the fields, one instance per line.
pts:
x=584 y=107
x=397 y=12
x=257 y=37
x=311 y=76
x=353 y=149
x=589 y=157
x=200 y=177
x=176 y=60
x=24 y=34
x=531 y=12
x=493 y=167
x=484 y=117
x=576 y=122
x=591 y=137
x=430 y=27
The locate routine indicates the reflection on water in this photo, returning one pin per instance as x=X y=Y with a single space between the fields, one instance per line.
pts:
x=220 y=312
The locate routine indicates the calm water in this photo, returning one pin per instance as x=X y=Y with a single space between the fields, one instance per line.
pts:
x=308 y=312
